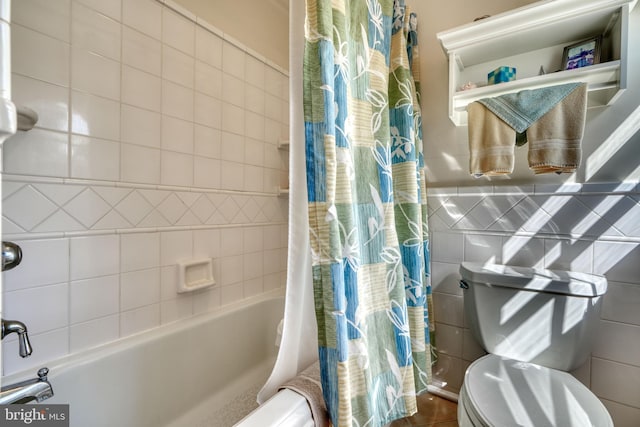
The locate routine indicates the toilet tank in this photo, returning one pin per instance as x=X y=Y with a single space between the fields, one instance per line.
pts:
x=541 y=316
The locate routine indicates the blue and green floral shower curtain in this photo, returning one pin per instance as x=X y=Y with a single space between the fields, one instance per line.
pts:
x=367 y=208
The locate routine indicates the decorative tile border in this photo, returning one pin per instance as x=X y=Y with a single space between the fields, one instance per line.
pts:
x=35 y=207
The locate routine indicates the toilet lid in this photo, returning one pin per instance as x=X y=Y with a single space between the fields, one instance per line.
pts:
x=507 y=392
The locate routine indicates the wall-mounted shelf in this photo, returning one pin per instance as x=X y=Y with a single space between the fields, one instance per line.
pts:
x=534 y=36
x=283 y=144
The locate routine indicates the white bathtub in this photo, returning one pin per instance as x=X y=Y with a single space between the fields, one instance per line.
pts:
x=184 y=374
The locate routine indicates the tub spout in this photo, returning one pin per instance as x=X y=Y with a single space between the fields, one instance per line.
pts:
x=37 y=389
x=10 y=326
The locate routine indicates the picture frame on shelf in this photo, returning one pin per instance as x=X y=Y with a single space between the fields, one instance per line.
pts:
x=582 y=54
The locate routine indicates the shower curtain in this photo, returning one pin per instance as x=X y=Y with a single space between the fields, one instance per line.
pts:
x=367 y=209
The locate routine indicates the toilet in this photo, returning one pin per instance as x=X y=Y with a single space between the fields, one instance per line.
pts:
x=536 y=325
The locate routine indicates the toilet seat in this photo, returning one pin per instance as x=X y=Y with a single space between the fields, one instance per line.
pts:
x=499 y=391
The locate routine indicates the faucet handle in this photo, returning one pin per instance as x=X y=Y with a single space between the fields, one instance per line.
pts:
x=42 y=373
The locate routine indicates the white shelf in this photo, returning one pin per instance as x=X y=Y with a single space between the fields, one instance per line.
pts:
x=283 y=144
x=283 y=192
x=533 y=36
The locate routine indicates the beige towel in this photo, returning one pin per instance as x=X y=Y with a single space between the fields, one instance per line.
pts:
x=307 y=383
x=491 y=142
x=555 y=138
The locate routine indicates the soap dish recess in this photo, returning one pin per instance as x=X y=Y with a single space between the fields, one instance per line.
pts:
x=195 y=274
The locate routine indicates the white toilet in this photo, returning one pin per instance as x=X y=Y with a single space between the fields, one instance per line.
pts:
x=536 y=325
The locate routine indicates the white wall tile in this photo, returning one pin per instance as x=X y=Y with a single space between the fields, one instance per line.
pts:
x=141 y=51
x=177 y=101
x=483 y=248
x=523 y=251
x=233 y=119
x=207 y=141
x=623 y=415
x=95 y=116
x=176 y=309
x=178 y=67
x=140 y=126
x=253 y=178
x=139 y=164
x=138 y=320
x=254 y=126
x=450 y=308
x=208 y=79
x=37 y=152
x=111 y=8
x=139 y=288
x=141 y=89
x=50 y=101
x=42 y=309
x=94 y=158
x=621 y=303
x=44 y=262
x=207 y=111
x=93 y=333
x=176 y=169
x=471 y=350
x=39 y=56
x=95 y=32
x=94 y=298
x=231 y=269
x=178 y=32
x=233 y=60
x=139 y=251
x=175 y=246
x=254 y=99
x=177 y=135
x=447 y=247
x=206 y=300
x=232 y=147
x=618 y=342
x=449 y=372
x=231 y=176
x=616 y=381
x=572 y=255
x=231 y=241
x=255 y=72
x=206 y=172
x=144 y=16
x=253 y=267
x=231 y=293
x=618 y=261
x=208 y=47
x=44 y=16
x=94 y=256
x=207 y=244
x=233 y=90
x=252 y=287
x=273 y=107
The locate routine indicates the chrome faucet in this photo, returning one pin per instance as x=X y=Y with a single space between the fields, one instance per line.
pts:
x=10 y=326
x=37 y=389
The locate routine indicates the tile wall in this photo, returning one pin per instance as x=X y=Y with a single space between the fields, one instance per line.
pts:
x=157 y=142
x=592 y=228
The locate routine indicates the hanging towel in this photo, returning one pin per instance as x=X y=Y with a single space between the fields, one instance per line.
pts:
x=491 y=142
x=555 y=139
x=307 y=383
x=521 y=109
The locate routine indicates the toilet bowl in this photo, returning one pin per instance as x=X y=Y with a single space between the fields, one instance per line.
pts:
x=536 y=325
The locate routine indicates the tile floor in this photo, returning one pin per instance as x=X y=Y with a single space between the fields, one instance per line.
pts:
x=433 y=411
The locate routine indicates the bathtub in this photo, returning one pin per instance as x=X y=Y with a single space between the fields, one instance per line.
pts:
x=185 y=374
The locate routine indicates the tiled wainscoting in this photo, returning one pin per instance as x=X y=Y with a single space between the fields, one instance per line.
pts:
x=157 y=142
x=593 y=228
